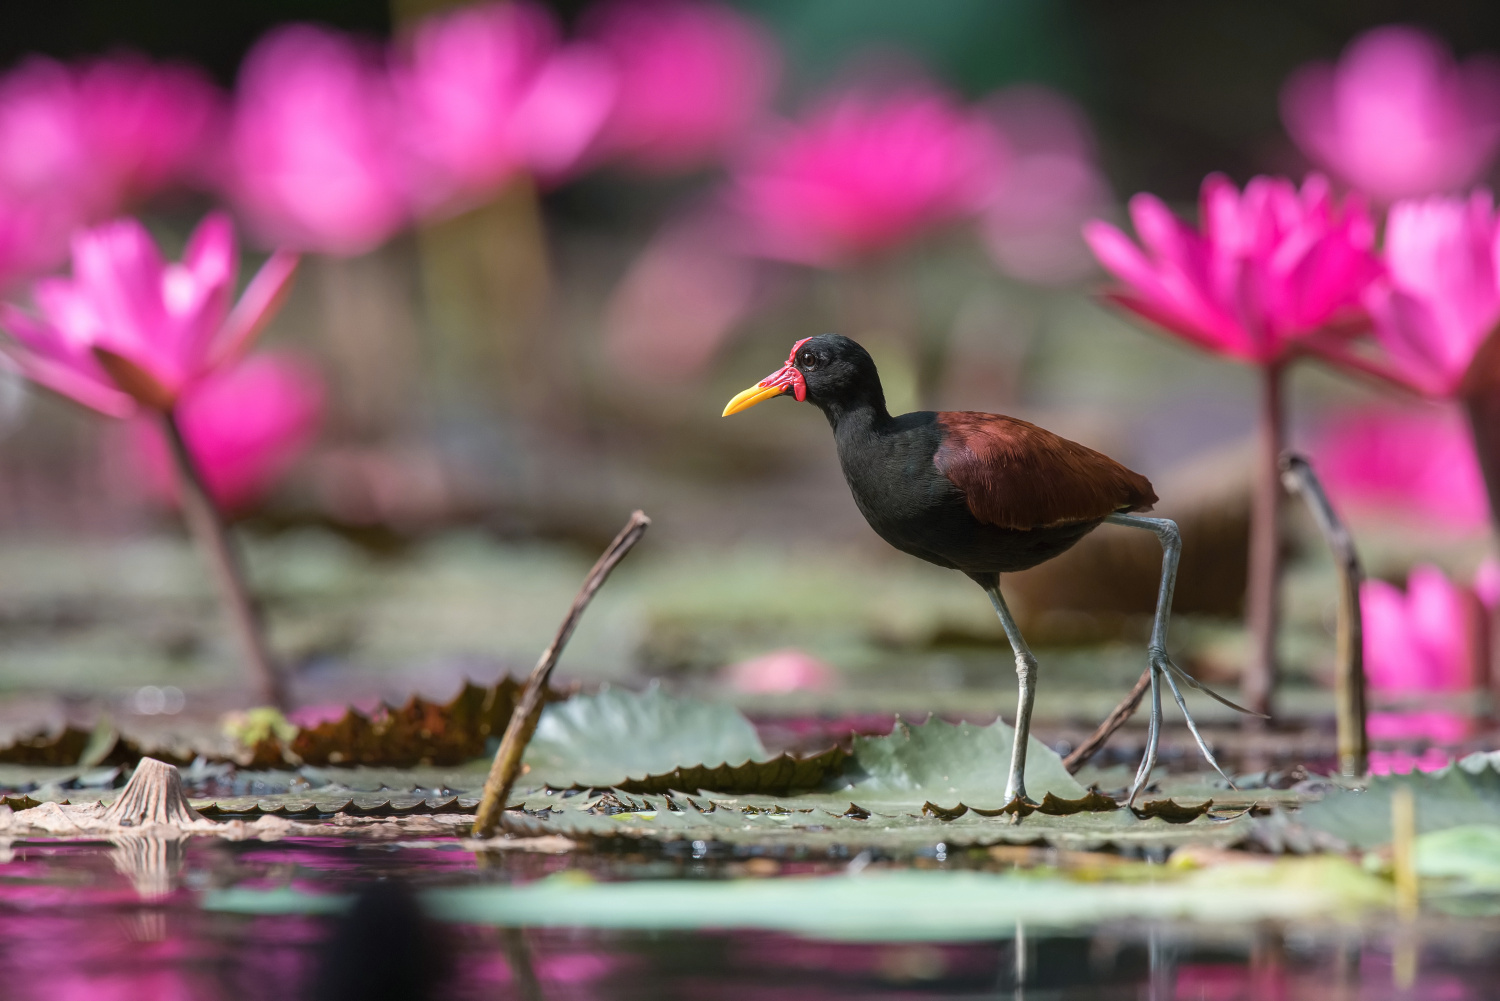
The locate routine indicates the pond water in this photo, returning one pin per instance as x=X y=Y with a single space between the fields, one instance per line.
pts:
x=341 y=917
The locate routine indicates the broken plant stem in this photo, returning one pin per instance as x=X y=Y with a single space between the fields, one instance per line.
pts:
x=1349 y=685
x=208 y=528
x=523 y=719
x=1117 y=718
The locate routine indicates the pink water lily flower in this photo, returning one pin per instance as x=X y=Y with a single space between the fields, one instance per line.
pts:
x=148 y=124
x=1397 y=117
x=128 y=328
x=489 y=92
x=317 y=163
x=866 y=172
x=1266 y=269
x=78 y=142
x=789 y=670
x=1428 y=638
x=245 y=426
x=1419 y=464
x=1432 y=638
x=1440 y=298
x=693 y=76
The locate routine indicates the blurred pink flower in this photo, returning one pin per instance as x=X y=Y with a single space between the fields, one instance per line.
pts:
x=489 y=92
x=789 y=670
x=680 y=301
x=693 y=77
x=130 y=328
x=1270 y=267
x=1416 y=463
x=1427 y=639
x=1397 y=117
x=317 y=164
x=1440 y=297
x=244 y=425
x=1033 y=226
x=78 y=142
x=864 y=173
x=148 y=125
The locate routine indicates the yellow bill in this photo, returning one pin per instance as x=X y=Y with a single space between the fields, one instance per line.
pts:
x=750 y=397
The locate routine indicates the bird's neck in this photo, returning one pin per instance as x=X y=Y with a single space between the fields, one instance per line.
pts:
x=864 y=410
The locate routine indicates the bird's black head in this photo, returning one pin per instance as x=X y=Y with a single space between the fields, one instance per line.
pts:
x=830 y=371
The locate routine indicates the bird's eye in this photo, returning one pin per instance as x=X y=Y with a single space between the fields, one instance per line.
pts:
x=808 y=360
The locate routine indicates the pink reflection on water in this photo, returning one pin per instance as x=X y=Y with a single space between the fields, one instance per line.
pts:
x=1399 y=762
x=1397 y=117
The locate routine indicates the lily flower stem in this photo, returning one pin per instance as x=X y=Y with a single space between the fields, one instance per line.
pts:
x=212 y=535
x=1262 y=589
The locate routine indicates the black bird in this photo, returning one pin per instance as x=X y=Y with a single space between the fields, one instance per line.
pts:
x=984 y=494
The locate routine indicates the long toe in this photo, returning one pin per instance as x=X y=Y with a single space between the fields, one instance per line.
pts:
x=1167 y=668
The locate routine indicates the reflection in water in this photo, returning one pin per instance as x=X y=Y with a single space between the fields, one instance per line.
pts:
x=121 y=921
x=383 y=949
x=152 y=862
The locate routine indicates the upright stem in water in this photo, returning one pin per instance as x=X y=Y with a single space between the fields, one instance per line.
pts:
x=1262 y=589
x=208 y=528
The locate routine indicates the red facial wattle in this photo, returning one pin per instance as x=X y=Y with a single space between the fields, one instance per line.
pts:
x=789 y=375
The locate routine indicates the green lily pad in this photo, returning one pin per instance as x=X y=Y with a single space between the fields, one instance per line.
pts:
x=950 y=763
x=821 y=822
x=1457 y=796
x=920 y=786
x=615 y=735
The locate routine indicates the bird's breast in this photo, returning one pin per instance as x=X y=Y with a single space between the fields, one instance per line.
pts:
x=897 y=487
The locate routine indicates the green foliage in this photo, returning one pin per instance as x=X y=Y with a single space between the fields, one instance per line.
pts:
x=1460 y=795
x=607 y=738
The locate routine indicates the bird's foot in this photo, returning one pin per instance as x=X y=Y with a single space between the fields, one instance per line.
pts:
x=1166 y=668
x=1019 y=806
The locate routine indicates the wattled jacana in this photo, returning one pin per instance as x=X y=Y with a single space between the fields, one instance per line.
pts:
x=981 y=493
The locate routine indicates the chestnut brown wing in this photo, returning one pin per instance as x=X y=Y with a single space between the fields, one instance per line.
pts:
x=1016 y=475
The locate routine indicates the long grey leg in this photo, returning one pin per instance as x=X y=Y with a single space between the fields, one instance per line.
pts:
x=1015 y=786
x=1162 y=664
x=1153 y=736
